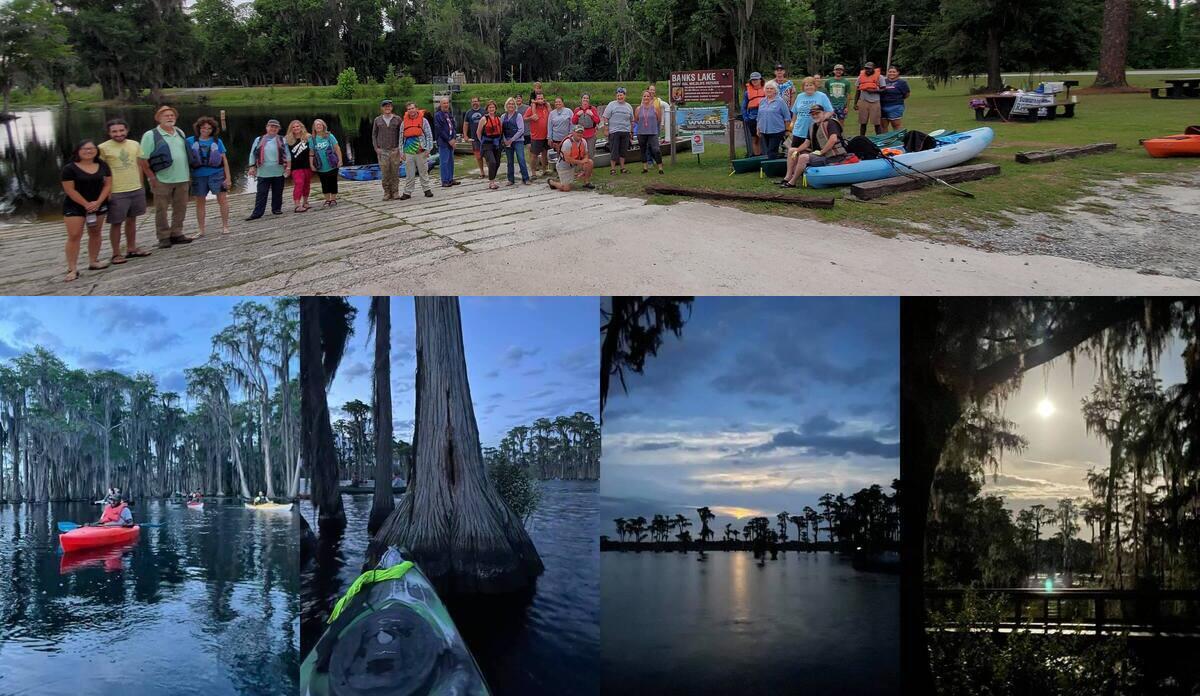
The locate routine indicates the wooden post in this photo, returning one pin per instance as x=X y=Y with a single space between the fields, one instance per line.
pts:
x=223 y=128
x=891 y=38
x=730 y=130
x=670 y=128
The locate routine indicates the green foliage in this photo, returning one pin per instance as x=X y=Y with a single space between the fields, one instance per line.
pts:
x=1021 y=663
x=391 y=83
x=33 y=45
x=516 y=488
x=347 y=84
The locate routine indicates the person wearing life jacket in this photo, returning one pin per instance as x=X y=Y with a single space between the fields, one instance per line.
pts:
x=822 y=147
x=866 y=98
x=513 y=139
x=574 y=161
x=489 y=134
x=164 y=161
x=117 y=514
x=210 y=170
x=260 y=499
x=751 y=97
x=270 y=164
x=416 y=144
x=587 y=116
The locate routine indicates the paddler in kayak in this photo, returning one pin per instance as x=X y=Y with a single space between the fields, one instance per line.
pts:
x=196 y=496
x=260 y=499
x=822 y=147
x=116 y=514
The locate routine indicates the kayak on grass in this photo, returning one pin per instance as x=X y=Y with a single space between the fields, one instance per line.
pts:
x=360 y=655
x=270 y=507
x=371 y=172
x=952 y=149
x=91 y=537
x=1173 y=146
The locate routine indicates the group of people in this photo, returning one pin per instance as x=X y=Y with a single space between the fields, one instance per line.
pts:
x=770 y=108
x=107 y=182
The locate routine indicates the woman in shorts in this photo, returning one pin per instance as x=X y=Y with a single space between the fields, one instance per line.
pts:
x=210 y=170
x=86 y=183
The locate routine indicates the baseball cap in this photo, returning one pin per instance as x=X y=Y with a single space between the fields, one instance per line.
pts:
x=779 y=66
x=839 y=66
x=385 y=102
x=816 y=106
x=756 y=75
x=869 y=64
x=620 y=90
x=273 y=122
x=578 y=128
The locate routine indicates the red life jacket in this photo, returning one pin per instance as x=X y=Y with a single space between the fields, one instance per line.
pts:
x=112 y=513
x=754 y=95
x=868 y=83
x=413 y=127
x=492 y=127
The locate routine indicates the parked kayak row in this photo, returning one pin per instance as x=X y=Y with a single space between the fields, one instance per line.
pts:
x=371 y=172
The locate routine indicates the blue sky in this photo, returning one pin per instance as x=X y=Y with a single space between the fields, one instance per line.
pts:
x=161 y=336
x=527 y=358
x=763 y=405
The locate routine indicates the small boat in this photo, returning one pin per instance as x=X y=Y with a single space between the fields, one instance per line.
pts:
x=394 y=599
x=745 y=165
x=196 y=506
x=1173 y=146
x=953 y=149
x=91 y=537
x=270 y=507
x=776 y=167
x=371 y=172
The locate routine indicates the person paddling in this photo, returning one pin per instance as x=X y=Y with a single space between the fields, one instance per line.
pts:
x=260 y=499
x=117 y=514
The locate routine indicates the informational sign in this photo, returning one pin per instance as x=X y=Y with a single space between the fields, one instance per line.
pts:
x=697 y=143
x=706 y=119
x=702 y=86
x=1032 y=100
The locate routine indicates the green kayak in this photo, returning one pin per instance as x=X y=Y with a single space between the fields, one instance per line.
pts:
x=774 y=167
x=390 y=635
x=747 y=164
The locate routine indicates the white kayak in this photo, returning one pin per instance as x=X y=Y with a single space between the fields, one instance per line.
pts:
x=271 y=507
x=952 y=150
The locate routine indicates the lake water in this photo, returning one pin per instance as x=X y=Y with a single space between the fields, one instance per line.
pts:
x=803 y=624
x=34 y=147
x=208 y=603
x=551 y=645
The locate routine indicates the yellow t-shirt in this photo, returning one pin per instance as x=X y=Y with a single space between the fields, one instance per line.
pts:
x=122 y=159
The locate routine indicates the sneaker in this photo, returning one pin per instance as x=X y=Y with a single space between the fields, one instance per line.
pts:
x=455 y=182
x=181 y=240
x=277 y=212
x=165 y=243
x=405 y=197
x=428 y=193
x=252 y=218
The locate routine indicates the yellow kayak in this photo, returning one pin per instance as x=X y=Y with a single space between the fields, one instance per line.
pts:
x=271 y=507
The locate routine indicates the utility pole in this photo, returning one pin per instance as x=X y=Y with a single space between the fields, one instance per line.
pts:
x=891 y=39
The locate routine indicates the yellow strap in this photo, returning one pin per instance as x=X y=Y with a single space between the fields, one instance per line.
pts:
x=394 y=573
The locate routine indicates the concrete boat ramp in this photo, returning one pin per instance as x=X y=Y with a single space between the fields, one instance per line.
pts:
x=532 y=240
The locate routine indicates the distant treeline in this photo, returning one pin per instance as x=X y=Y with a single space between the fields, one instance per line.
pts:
x=354 y=442
x=868 y=520
x=567 y=447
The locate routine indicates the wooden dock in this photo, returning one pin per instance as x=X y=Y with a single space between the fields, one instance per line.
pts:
x=354 y=244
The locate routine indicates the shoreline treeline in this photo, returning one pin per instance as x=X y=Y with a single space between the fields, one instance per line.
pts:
x=565 y=447
x=70 y=434
x=867 y=522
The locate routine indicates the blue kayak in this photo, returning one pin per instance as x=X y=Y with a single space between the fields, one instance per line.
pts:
x=953 y=149
x=370 y=172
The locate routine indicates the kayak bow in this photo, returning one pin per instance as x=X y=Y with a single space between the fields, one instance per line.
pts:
x=91 y=537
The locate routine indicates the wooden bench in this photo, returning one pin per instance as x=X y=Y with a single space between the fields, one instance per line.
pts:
x=1154 y=93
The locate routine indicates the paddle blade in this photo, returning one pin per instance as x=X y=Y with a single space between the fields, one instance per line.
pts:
x=67 y=526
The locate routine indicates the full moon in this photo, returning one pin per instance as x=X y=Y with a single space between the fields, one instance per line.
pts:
x=1045 y=409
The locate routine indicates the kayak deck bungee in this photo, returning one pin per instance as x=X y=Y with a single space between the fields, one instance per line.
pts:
x=390 y=635
x=91 y=537
x=271 y=507
x=953 y=149
x=1173 y=146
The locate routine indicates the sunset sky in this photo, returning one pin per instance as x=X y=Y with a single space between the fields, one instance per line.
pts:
x=763 y=405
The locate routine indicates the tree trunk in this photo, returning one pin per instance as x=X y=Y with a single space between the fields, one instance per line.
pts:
x=383 y=503
x=316 y=433
x=451 y=520
x=995 y=79
x=1114 y=45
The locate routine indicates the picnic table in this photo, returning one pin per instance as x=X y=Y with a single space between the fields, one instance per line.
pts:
x=1186 y=88
x=999 y=107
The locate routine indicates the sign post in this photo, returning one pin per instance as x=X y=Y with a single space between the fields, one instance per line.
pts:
x=705 y=86
x=698 y=146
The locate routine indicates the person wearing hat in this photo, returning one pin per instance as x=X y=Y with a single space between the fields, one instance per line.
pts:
x=787 y=89
x=574 y=161
x=270 y=164
x=822 y=146
x=164 y=161
x=385 y=139
x=618 y=124
x=866 y=98
x=751 y=98
x=838 y=88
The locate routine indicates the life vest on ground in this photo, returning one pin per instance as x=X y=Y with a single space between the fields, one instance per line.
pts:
x=204 y=155
x=260 y=154
x=492 y=127
x=414 y=127
x=754 y=95
x=112 y=513
x=868 y=83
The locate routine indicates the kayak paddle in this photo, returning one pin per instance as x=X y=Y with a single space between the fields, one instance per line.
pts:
x=68 y=526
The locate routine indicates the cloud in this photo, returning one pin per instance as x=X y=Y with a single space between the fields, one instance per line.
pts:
x=7 y=350
x=829 y=445
x=173 y=381
x=123 y=315
x=652 y=446
x=819 y=424
x=115 y=359
x=515 y=355
x=355 y=370
x=1028 y=488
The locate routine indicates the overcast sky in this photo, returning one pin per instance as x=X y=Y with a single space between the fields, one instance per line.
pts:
x=527 y=358
x=1060 y=450
x=763 y=405
x=161 y=336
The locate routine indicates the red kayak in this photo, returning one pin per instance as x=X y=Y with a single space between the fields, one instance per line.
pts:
x=108 y=557
x=89 y=537
x=196 y=506
x=1173 y=146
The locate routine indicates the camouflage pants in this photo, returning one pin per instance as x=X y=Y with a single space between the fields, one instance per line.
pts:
x=389 y=164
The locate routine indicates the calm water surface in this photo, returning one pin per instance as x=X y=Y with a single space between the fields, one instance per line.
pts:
x=803 y=624
x=548 y=647
x=208 y=603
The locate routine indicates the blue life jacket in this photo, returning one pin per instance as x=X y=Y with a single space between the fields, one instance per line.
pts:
x=510 y=125
x=160 y=157
x=204 y=155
